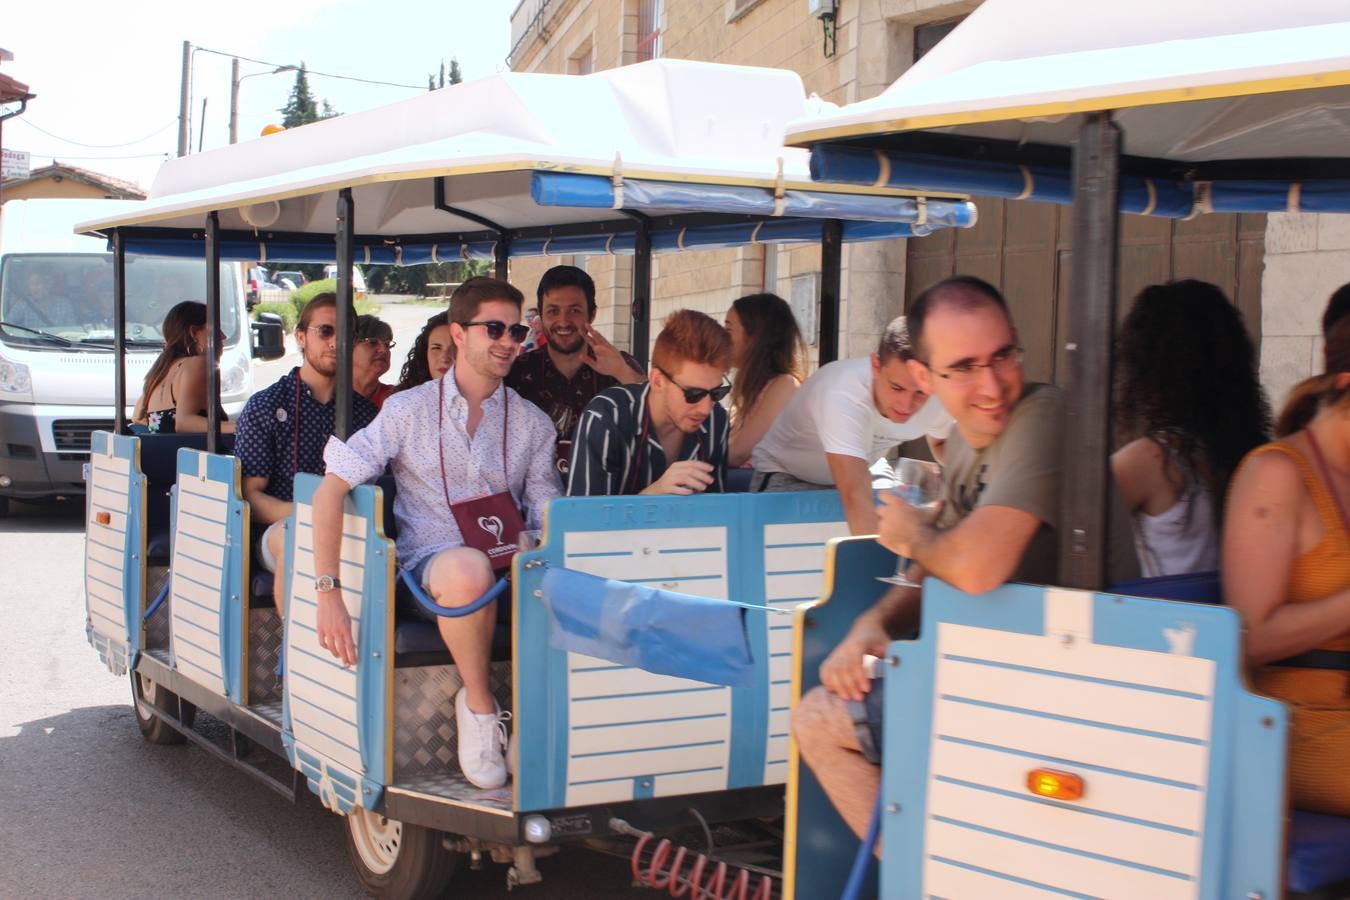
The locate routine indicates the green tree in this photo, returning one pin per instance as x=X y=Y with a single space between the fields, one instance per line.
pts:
x=435 y=81
x=303 y=107
x=456 y=76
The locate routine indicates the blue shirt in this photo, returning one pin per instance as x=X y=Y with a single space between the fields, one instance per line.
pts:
x=271 y=444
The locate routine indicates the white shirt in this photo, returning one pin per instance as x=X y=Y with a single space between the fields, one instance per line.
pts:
x=833 y=412
x=403 y=436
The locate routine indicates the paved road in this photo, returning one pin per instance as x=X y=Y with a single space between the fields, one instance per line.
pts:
x=92 y=811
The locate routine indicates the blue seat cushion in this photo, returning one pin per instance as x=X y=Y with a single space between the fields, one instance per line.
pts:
x=1319 y=850
x=1196 y=587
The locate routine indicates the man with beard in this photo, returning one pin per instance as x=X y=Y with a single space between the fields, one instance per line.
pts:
x=464 y=449
x=282 y=430
x=575 y=362
x=627 y=433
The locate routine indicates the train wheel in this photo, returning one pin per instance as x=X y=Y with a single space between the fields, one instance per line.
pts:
x=146 y=694
x=397 y=861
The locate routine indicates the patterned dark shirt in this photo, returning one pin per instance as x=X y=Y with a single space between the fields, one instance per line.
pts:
x=609 y=457
x=269 y=443
x=534 y=377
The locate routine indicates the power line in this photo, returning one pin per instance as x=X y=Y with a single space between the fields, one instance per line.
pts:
x=31 y=124
x=308 y=71
x=61 y=156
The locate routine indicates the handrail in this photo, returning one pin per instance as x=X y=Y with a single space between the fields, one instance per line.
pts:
x=450 y=612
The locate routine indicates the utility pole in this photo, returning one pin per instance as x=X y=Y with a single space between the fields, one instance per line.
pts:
x=234 y=101
x=183 y=137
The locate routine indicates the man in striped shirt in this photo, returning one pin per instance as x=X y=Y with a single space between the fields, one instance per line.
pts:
x=669 y=435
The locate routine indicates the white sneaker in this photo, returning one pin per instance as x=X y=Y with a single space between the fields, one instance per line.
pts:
x=482 y=738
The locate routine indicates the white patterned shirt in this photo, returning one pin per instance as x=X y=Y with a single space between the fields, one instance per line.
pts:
x=403 y=436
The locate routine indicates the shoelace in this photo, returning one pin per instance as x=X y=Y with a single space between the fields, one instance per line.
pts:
x=499 y=729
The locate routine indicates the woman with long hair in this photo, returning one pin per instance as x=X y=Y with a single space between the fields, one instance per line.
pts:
x=769 y=357
x=431 y=356
x=173 y=398
x=1286 y=568
x=1189 y=407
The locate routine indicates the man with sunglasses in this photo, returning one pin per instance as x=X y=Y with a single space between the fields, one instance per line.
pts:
x=575 y=362
x=841 y=423
x=669 y=435
x=997 y=522
x=283 y=428
x=473 y=464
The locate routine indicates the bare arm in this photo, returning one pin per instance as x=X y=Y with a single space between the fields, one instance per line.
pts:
x=756 y=422
x=854 y=481
x=264 y=508
x=896 y=613
x=190 y=389
x=334 y=622
x=1140 y=470
x=1260 y=542
x=978 y=554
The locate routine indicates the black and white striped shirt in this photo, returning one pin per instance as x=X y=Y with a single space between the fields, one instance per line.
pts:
x=605 y=450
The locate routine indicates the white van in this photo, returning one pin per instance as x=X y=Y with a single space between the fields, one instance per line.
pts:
x=56 y=339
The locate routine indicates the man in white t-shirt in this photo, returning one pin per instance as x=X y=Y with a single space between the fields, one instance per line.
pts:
x=841 y=423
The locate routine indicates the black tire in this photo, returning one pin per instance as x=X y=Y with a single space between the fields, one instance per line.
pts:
x=397 y=861
x=146 y=693
x=4 y=507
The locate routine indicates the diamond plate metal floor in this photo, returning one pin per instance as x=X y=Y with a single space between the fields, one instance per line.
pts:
x=453 y=787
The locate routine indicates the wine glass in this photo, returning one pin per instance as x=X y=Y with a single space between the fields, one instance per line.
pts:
x=919 y=483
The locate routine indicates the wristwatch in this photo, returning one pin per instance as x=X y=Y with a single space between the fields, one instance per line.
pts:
x=325 y=583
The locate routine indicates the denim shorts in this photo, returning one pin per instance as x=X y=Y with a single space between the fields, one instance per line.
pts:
x=868 y=717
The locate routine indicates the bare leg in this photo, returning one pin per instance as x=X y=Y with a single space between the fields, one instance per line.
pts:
x=457 y=577
x=825 y=737
x=276 y=542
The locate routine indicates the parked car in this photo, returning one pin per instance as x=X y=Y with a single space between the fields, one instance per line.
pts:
x=289 y=280
x=258 y=276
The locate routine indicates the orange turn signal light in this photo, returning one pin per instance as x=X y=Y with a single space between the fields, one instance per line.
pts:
x=103 y=518
x=1055 y=785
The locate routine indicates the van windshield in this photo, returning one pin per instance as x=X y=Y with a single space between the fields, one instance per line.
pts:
x=51 y=299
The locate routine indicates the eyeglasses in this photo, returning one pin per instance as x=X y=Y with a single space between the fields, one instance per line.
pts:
x=1001 y=363
x=378 y=342
x=495 y=330
x=694 y=395
x=325 y=332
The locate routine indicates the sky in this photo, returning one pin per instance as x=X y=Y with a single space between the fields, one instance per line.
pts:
x=108 y=83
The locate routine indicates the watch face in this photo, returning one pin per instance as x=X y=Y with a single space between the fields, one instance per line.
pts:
x=325 y=583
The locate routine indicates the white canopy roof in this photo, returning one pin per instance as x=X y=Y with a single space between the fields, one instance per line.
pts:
x=667 y=120
x=1195 y=80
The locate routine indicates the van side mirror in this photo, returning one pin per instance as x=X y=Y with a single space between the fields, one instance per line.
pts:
x=269 y=337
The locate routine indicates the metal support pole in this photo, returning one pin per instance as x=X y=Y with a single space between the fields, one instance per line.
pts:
x=183 y=89
x=119 y=334
x=346 y=315
x=213 y=332
x=234 y=100
x=1092 y=319
x=501 y=256
x=831 y=260
x=642 y=292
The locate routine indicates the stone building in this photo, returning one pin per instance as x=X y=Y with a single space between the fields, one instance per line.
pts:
x=1022 y=247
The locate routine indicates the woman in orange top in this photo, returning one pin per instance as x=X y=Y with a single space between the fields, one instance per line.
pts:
x=1286 y=568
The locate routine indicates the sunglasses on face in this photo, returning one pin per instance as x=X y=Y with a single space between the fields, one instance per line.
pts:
x=694 y=395
x=378 y=342
x=495 y=330
x=325 y=332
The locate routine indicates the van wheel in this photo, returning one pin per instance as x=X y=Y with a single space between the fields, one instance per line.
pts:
x=397 y=861
x=4 y=507
x=146 y=694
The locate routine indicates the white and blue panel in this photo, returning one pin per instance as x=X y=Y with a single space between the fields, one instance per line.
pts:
x=337 y=719
x=207 y=592
x=114 y=553
x=1142 y=699
x=591 y=731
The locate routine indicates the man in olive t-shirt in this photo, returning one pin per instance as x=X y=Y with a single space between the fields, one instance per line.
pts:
x=1001 y=490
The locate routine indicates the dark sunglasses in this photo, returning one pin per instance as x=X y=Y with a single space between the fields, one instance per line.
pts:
x=325 y=332
x=495 y=330
x=693 y=395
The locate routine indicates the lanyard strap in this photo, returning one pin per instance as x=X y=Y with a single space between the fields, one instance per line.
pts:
x=295 y=432
x=1325 y=472
x=638 y=456
x=440 y=436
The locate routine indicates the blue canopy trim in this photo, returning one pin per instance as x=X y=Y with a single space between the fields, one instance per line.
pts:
x=659 y=631
x=282 y=248
x=600 y=192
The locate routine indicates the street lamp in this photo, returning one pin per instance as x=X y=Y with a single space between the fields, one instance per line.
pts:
x=234 y=93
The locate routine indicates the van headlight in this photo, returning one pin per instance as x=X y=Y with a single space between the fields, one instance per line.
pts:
x=233 y=379
x=15 y=379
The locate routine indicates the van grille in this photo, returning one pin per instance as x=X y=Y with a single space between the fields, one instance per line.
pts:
x=72 y=435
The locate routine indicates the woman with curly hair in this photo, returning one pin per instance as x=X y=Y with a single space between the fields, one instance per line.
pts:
x=768 y=355
x=1286 y=568
x=1189 y=407
x=431 y=356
